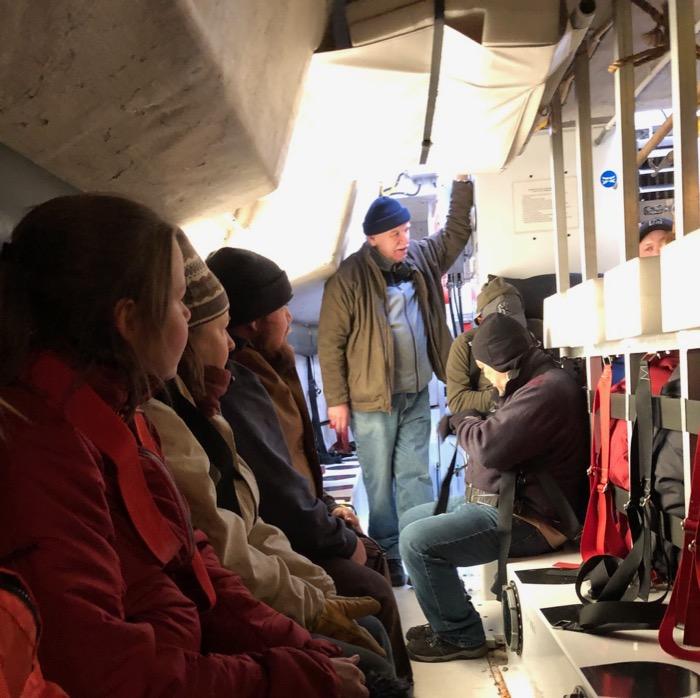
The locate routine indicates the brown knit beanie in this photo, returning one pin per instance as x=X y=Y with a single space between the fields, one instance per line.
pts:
x=205 y=296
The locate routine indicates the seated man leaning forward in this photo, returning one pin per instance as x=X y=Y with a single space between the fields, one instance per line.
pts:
x=467 y=386
x=540 y=425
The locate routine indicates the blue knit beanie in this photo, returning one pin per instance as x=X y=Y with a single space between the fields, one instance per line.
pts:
x=384 y=214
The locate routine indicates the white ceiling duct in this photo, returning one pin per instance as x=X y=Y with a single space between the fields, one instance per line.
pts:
x=491 y=22
x=490 y=88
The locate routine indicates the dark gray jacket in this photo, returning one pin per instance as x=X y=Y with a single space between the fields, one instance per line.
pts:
x=668 y=459
x=285 y=498
x=541 y=423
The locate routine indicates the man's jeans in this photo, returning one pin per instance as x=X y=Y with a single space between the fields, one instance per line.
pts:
x=433 y=547
x=393 y=452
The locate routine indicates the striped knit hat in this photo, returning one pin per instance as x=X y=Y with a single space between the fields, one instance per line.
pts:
x=205 y=296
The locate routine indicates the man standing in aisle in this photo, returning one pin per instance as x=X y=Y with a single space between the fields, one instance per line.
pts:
x=382 y=334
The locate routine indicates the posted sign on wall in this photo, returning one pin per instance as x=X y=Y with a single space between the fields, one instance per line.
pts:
x=532 y=205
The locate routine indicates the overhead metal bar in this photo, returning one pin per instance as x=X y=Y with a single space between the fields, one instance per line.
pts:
x=655 y=139
x=584 y=167
x=684 y=104
x=586 y=203
x=435 y=63
x=644 y=83
x=561 y=248
x=627 y=143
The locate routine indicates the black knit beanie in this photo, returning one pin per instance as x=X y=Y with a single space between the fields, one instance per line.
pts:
x=501 y=342
x=255 y=285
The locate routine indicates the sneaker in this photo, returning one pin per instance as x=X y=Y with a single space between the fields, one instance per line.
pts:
x=396 y=572
x=434 y=649
x=418 y=632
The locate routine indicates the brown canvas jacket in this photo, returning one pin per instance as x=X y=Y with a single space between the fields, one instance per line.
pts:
x=460 y=392
x=355 y=345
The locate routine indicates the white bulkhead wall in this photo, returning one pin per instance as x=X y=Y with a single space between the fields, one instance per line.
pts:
x=503 y=251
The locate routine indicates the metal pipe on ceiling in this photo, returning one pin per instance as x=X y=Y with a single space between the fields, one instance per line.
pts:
x=644 y=83
x=628 y=239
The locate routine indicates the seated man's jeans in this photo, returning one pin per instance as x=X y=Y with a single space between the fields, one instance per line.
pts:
x=433 y=547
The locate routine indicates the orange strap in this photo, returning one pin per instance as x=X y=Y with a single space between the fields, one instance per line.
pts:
x=602 y=531
x=144 y=433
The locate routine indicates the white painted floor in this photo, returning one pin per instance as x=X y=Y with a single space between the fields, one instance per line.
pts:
x=460 y=678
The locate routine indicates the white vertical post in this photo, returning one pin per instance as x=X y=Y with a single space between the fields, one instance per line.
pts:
x=684 y=104
x=561 y=249
x=624 y=111
x=685 y=177
x=584 y=167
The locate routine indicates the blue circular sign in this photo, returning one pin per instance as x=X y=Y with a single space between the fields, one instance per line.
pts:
x=609 y=179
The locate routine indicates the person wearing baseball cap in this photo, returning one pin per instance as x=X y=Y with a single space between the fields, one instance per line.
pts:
x=653 y=235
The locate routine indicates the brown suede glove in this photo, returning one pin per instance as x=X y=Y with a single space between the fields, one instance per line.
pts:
x=336 y=620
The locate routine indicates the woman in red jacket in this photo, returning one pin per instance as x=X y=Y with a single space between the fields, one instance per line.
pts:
x=133 y=601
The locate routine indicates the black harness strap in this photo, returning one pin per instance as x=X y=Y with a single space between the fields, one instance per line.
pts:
x=474 y=371
x=339 y=23
x=610 y=616
x=444 y=496
x=615 y=583
x=506 y=501
x=569 y=524
x=313 y=392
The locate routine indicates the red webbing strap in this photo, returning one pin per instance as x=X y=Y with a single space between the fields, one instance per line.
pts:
x=605 y=386
x=91 y=416
x=603 y=500
x=203 y=578
x=600 y=534
x=660 y=370
x=684 y=606
x=566 y=565
x=149 y=442
x=144 y=433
